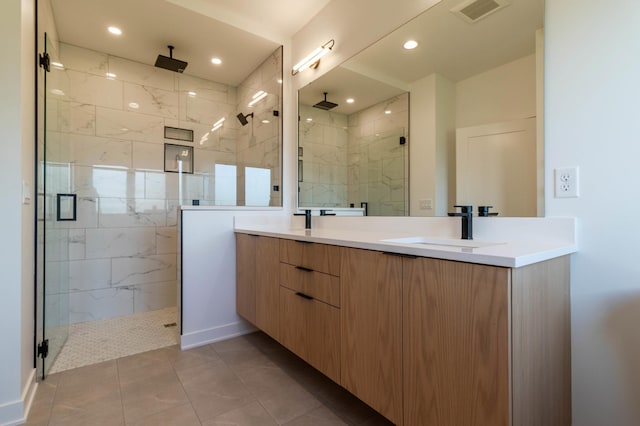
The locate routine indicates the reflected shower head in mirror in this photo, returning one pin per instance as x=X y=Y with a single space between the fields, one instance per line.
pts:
x=243 y=118
x=325 y=105
x=170 y=63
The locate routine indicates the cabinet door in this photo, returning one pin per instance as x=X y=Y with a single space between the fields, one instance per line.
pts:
x=311 y=330
x=455 y=338
x=371 y=291
x=267 y=269
x=246 y=276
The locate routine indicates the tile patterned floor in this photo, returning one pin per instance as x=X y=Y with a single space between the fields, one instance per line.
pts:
x=98 y=341
x=245 y=381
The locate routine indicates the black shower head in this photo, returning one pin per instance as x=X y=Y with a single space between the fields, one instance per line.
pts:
x=243 y=118
x=325 y=105
x=169 y=63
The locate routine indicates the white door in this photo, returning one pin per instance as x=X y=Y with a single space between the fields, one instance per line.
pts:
x=496 y=166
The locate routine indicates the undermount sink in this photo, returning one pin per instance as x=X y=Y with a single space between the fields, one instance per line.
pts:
x=442 y=242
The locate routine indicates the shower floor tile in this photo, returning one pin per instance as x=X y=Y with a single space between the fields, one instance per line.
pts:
x=97 y=341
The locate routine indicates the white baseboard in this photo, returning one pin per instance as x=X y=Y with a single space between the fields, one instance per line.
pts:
x=215 y=334
x=16 y=412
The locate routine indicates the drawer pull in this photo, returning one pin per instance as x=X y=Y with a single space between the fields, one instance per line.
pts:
x=302 y=268
x=408 y=256
x=304 y=296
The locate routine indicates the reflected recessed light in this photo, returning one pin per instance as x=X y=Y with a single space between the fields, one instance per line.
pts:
x=134 y=105
x=57 y=92
x=115 y=30
x=265 y=121
x=110 y=75
x=309 y=119
x=58 y=65
x=410 y=44
x=388 y=111
x=216 y=61
x=350 y=101
x=279 y=81
x=192 y=94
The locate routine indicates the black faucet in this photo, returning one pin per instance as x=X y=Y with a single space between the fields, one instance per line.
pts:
x=466 y=213
x=326 y=213
x=484 y=211
x=307 y=218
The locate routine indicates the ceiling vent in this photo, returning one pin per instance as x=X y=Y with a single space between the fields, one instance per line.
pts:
x=474 y=10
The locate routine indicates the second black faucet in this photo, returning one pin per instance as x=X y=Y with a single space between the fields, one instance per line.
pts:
x=466 y=214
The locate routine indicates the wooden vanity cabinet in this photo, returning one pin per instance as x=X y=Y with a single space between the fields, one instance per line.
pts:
x=371 y=324
x=246 y=276
x=455 y=343
x=310 y=304
x=423 y=341
x=486 y=345
x=258 y=281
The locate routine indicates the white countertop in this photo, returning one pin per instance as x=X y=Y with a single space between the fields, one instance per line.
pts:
x=502 y=251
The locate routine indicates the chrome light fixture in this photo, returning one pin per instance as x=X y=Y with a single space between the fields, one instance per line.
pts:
x=313 y=59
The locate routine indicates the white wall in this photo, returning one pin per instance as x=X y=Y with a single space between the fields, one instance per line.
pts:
x=16 y=166
x=592 y=120
x=507 y=92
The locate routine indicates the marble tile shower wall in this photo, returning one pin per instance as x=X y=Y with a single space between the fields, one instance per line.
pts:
x=258 y=143
x=356 y=158
x=377 y=162
x=106 y=144
x=323 y=137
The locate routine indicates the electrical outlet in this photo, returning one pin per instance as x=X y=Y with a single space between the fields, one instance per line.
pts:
x=426 y=204
x=567 y=182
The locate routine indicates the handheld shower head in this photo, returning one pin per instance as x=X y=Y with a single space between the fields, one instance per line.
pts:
x=243 y=118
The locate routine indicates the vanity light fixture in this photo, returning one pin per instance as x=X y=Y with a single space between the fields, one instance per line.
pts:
x=313 y=59
x=257 y=97
x=410 y=44
x=114 y=30
x=216 y=61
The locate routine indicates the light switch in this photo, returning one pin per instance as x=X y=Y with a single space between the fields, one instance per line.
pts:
x=26 y=193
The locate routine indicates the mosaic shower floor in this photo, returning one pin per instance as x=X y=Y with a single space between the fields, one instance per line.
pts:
x=103 y=340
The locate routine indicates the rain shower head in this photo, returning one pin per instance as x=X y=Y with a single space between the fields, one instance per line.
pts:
x=325 y=105
x=243 y=118
x=169 y=63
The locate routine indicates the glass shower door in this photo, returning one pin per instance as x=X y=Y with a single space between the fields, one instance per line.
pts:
x=55 y=211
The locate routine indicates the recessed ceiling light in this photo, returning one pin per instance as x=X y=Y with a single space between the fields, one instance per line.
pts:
x=192 y=94
x=111 y=75
x=216 y=61
x=134 y=105
x=309 y=119
x=115 y=30
x=388 y=111
x=410 y=44
x=350 y=101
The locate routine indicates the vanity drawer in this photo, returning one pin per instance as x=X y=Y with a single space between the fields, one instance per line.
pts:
x=320 y=286
x=311 y=330
x=317 y=257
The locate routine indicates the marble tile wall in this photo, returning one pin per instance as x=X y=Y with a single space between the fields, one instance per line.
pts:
x=356 y=158
x=258 y=143
x=323 y=137
x=377 y=163
x=105 y=143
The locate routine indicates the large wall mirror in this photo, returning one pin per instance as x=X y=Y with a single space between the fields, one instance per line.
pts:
x=455 y=120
